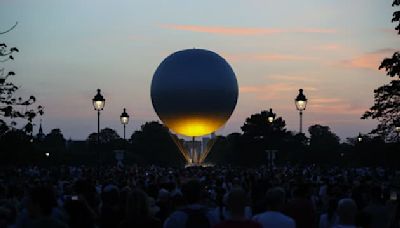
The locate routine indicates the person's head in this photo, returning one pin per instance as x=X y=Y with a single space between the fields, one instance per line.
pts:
x=110 y=195
x=275 y=198
x=236 y=201
x=376 y=193
x=137 y=205
x=192 y=191
x=41 y=200
x=347 y=210
x=79 y=214
x=163 y=195
x=300 y=191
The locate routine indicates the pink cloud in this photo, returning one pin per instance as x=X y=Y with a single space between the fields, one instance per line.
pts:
x=328 y=47
x=272 y=91
x=242 y=31
x=390 y=31
x=321 y=101
x=369 y=60
x=337 y=108
x=265 y=57
x=290 y=78
x=334 y=105
x=316 y=30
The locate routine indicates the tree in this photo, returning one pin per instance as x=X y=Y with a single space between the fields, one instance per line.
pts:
x=15 y=147
x=55 y=139
x=109 y=141
x=227 y=150
x=324 y=144
x=153 y=145
x=9 y=103
x=386 y=108
x=257 y=127
x=260 y=135
x=107 y=136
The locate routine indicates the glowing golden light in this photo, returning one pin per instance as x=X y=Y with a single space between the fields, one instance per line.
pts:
x=194 y=126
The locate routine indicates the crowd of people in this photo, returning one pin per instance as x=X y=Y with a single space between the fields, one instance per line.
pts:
x=285 y=196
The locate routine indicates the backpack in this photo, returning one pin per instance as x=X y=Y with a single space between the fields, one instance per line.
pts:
x=197 y=218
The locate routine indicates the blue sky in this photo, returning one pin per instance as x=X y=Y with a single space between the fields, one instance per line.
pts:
x=331 y=49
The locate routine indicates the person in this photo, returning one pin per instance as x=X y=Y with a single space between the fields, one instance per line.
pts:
x=300 y=208
x=79 y=213
x=164 y=204
x=330 y=218
x=40 y=203
x=275 y=199
x=138 y=212
x=376 y=210
x=347 y=210
x=194 y=215
x=110 y=213
x=236 y=203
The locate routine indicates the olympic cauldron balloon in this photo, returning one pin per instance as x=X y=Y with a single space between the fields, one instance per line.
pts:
x=194 y=92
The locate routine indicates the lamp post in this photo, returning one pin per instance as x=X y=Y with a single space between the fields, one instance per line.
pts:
x=359 y=138
x=271 y=116
x=98 y=104
x=124 y=119
x=270 y=153
x=397 y=129
x=301 y=102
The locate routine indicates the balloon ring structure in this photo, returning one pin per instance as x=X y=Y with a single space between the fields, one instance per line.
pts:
x=194 y=92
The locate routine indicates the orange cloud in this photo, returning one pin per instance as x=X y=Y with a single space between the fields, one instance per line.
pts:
x=321 y=101
x=334 y=105
x=328 y=47
x=290 y=78
x=265 y=57
x=315 y=30
x=272 y=91
x=369 y=60
x=336 y=108
x=241 y=31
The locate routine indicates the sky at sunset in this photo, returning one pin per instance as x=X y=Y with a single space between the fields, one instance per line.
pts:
x=330 y=48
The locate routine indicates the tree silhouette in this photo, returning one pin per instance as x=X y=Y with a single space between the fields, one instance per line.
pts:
x=386 y=108
x=257 y=128
x=153 y=145
x=15 y=147
x=324 y=144
x=258 y=136
x=8 y=101
x=107 y=135
x=55 y=139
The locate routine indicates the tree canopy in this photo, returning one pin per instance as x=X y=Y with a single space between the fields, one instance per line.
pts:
x=153 y=145
x=386 y=108
x=9 y=102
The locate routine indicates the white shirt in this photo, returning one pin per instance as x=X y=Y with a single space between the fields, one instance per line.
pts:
x=274 y=219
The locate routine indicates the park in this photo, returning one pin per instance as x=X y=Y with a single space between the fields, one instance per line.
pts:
x=168 y=119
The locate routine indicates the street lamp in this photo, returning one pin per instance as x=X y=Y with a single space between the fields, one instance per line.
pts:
x=98 y=104
x=359 y=138
x=124 y=119
x=397 y=129
x=270 y=116
x=301 y=102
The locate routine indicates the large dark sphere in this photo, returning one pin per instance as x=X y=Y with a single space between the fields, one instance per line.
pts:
x=194 y=92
